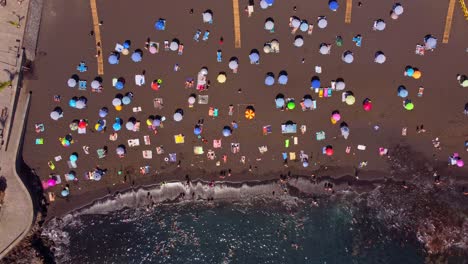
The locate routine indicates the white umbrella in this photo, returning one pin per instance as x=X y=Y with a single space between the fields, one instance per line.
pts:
x=191 y=100
x=269 y=25
x=304 y=26
x=339 y=86
x=55 y=115
x=233 y=65
x=116 y=102
x=263 y=4
x=267 y=48
x=322 y=22
x=120 y=151
x=380 y=58
x=80 y=104
x=129 y=125
x=71 y=82
x=324 y=49
x=298 y=42
x=207 y=17
x=204 y=71
x=275 y=44
x=177 y=117
x=95 y=84
x=431 y=43
x=348 y=57
x=380 y=25
x=295 y=23
x=398 y=10
x=174 y=46
x=394 y=15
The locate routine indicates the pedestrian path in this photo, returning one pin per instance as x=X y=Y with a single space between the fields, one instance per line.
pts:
x=237 y=33
x=448 y=21
x=97 y=34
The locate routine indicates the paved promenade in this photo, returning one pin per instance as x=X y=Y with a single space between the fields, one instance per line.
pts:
x=16 y=214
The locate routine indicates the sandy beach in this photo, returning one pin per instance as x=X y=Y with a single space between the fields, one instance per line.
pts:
x=65 y=40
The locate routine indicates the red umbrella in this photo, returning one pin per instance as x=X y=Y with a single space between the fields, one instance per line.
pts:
x=329 y=151
x=82 y=124
x=155 y=85
x=367 y=105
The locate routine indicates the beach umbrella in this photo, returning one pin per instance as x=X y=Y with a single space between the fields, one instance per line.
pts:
x=65 y=192
x=82 y=124
x=136 y=56
x=119 y=85
x=408 y=105
x=417 y=74
x=227 y=131
x=156 y=122
x=95 y=84
x=279 y=102
x=72 y=103
x=103 y=112
x=367 y=105
x=191 y=100
x=117 y=126
x=308 y=103
x=254 y=57
x=73 y=157
x=296 y=23
x=460 y=163
x=120 y=150
x=305 y=164
x=97 y=176
x=431 y=42
x=118 y=108
x=249 y=113
x=291 y=105
x=126 y=100
x=324 y=49
x=159 y=25
x=269 y=25
x=129 y=125
x=283 y=79
x=299 y=41
x=174 y=46
x=197 y=130
x=269 y=2
x=350 y=100
x=394 y=16
x=65 y=143
x=379 y=25
x=71 y=82
x=267 y=49
x=329 y=150
x=464 y=83
x=380 y=57
x=274 y=45
x=152 y=50
x=263 y=4
x=116 y=102
x=80 y=104
x=178 y=116
x=233 y=64
x=398 y=9
x=304 y=26
x=340 y=85
x=269 y=80
x=409 y=71
x=336 y=116
x=70 y=176
x=402 y=92
x=322 y=22
x=207 y=17
x=348 y=57
x=125 y=52
x=204 y=71
x=221 y=78
x=333 y=5
x=113 y=59
x=51 y=182
x=55 y=115
x=315 y=82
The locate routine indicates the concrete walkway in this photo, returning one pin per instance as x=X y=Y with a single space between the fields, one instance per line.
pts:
x=16 y=214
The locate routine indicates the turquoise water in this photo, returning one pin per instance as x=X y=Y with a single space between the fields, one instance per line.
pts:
x=219 y=232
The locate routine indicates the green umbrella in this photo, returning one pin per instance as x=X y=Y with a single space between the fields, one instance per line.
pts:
x=409 y=106
x=291 y=105
x=464 y=83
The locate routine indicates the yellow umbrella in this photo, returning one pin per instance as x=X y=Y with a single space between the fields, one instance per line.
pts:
x=118 y=108
x=350 y=100
x=417 y=74
x=249 y=114
x=222 y=78
x=149 y=122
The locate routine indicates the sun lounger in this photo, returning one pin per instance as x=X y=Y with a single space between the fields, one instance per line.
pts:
x=206 y=35
x=263 y=149
x=235 y=148
x=82 y=85
x=71 y=164
x=139 y=79
x=179 y=139
x=196 y=37
x=217 y=143
x=39 y=141
x=82 y=130
x=101 y=153
x=289 y=128
x=320 y=135
x=133 y=142
x=147 y=140
x=267 y=130
x=219 y=56
x=136 y=127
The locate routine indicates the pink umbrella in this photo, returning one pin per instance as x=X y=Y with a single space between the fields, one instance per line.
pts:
x=51 y=182
x=336 y=117
x=152 y=50
x=460 y=163
x=367 y=106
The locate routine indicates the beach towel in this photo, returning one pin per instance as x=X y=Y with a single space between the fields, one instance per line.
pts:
x=82 y=67
x=320 y=135
x=51 y=196
x=39 y=141
x=119 y=48
x=139 y=79
x=82 y=85
x=159 y=150
x=211 y=155
x=267 y=130
x=58 y=158
x=147 y=154
x=196 y=37
x=101 y=153
x=82 y=130
x=136 y=127
x=71 y=165
x=198 y=150
x=147 y=140
x=133 y=142
x=136 y=109
x=203 y=99
x=179 y=139
x=172 y=157
x=285 y=155
x=235 y=147
x=158 y=103
x=292 y=155
x=289 y=128
x=263 y=149
x=216 y=143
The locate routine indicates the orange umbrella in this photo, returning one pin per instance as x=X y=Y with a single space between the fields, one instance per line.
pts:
x=417 y=74
x=249 y=114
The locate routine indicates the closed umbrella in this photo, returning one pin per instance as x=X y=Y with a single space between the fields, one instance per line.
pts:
x=204 y=71
x=324 y=49
x=207 y=17
x=95 y=84
x=269 y=25
x=51 y=182
x=174 y=46
x=116 y=102
x=269 y=2
x=126 y=100
x=380 y=58
x=113 y=59
x=269 y=80
x=283 y=79
x=348 y=57
x=333 y=5
x=398 y=9
x=417 y=74
x=340 y=85
x=55 y=115
x=178 y=116
x=402 y=92
x=136 y=56
x=409 y=71
x=254 y=57
x=71 y=82
x=308 y=103
x=329 y=150
x=345 y=131
x=379 y=25
x=304 y=26
x=82 y=124
x=299 y=42
x=322 y=22
x=336 y=116
x=129 y=125
x=350 y=100
x=464 y=83
x=233 y=65
x=367 y=105
x=305 y=164
x=103 y=112
x=295 y=23
x=274 y=45
x=227 y=131
x=408 y=105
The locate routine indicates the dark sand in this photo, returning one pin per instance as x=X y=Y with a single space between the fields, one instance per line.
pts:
x=64 y=41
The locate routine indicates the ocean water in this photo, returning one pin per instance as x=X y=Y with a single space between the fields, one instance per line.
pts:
x=254 y=231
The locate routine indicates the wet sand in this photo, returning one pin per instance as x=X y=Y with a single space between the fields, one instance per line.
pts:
x=64 y=41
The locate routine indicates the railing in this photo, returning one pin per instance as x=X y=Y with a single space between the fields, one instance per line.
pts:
x=465 y=10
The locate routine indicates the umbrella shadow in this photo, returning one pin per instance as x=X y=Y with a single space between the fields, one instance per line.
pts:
x=254 y=51
x=283 y=72
x=3 y=183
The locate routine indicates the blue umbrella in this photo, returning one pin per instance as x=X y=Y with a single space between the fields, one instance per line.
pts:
x=227 y=131
x=72 y=103
x=283 y=79
x=316 y=83
x=402 y=92
x=119 y=85
x=160 y=24
x=65 y=193
x=269 y=2
x=254 y=57
x=279 y=102
x=269 y=80
x=197 y=130
x=156 y=122
x=113 y=59
x=117 y=126
x=305 y=164
x=333 y=5
x=73 y=157
x=308 y=103
x=304 y=26
x=126 y=100
x=136 y=57
x=103 y=112
x=126 y=44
